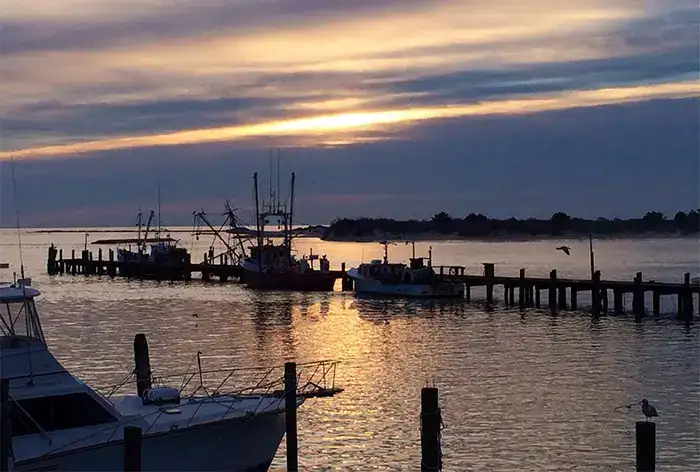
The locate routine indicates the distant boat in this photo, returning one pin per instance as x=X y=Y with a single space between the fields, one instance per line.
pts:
x=416 y=280
x=273 y=266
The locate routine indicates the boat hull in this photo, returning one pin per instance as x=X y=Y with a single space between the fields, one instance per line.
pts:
x=306 y=282
x=240 y=444
x=439 y=290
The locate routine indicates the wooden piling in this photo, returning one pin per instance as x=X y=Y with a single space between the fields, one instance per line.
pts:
x=687 y=306
x=646 y=446
x=142 y=364
x=538 y=302
x=489 y=274
x=132 y=449
x=574 y=298
x=553 y=290
x=656 y=308
x=512 y=294
x=595 y=293
x=5 y=426
x=617 y=302
x=290 y=403
x=468 y=292
x=431 y=456
x=638 y=296
x=522 y=290
x=562 y=298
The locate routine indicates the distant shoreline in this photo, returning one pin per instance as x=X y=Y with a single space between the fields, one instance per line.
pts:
x=423 y=238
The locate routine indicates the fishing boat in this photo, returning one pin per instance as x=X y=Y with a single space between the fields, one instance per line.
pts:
x=157 y=257
x=274 y=266
x=418 y=279
x=58 y=422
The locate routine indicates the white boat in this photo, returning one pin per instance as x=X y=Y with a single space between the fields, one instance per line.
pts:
x=60 y=423
x=398 y=279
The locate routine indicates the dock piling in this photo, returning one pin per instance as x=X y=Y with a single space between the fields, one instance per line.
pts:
x=538 y=302
x=132 y=449
x=489 y=274
x=142 y=364
x=595 y=293
x=687 y=308
x=656 y=308
x=646 y=446
x=431 y=456
x=522 y=290
x=562 y=297
x=638 y=296
x=553 y=290
x=290 y=403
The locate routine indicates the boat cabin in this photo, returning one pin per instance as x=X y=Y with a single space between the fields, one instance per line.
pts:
x=46 y=401
x=398 y=273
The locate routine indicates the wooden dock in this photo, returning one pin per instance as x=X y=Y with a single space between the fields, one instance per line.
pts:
x=558 y=294
x=96 y=264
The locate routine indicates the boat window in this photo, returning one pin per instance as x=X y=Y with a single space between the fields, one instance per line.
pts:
x=75 y=410
x=20 y=319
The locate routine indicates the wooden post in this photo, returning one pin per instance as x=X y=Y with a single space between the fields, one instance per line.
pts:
x=646 y=446
x=531 y=296
x=595 y=293
x=688 y=309
x=505 y=295
x=522 y=290
x=290 y=405
x=574 y=298
x=345 y=281
x=617 y=301
x=489 y=274
x=538 y=303
x=656 y=302
x=142 y=364
x=562 y=297
x=468 y=292
x=431 y=459
x=553 y=290
x=132 y=449
x=5 y=426
x=638 y=296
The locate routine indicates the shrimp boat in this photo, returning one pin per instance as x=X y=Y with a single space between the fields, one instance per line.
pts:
x=273 y=266
x=418 y=279
x=58 y=422
x=164 y=261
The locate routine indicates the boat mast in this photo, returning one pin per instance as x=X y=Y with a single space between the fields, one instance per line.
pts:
x=159 y=220
x=291 y=215
x=257 y=222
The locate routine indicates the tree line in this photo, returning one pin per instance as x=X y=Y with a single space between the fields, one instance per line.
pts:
x=478 y=225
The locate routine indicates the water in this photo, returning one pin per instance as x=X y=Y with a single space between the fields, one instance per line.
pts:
x=530 y=391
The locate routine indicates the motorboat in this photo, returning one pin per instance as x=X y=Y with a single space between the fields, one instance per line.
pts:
x=417 y=279
x=58 y=422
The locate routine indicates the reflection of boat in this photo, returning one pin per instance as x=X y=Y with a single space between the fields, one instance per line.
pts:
x=273 y=266
x=398 y=279
x=60 y=423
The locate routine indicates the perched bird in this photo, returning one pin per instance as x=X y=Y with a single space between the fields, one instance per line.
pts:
x=565 y=249
x=648 y=410
x=195 y=315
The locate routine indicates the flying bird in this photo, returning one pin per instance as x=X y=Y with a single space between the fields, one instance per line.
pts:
x=648 y=410
x=565 y=249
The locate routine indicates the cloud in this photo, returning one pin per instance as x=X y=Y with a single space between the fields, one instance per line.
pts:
x=589 y=161
x=331 y=126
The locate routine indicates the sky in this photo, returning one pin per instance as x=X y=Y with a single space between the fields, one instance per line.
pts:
x=391 y=108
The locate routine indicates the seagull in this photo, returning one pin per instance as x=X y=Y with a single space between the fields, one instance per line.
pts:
x=566 y=249
x=648 y=410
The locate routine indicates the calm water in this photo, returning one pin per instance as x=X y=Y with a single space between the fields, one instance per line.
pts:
x=531 y=391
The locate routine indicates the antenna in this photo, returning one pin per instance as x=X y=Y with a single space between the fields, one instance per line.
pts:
x=160 y=226
x=19 y=233
x=278 y=179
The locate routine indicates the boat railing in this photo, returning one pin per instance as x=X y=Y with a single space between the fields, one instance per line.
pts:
x=314 y=379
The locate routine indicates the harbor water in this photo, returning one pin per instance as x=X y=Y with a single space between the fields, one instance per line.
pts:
x=527 y=391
